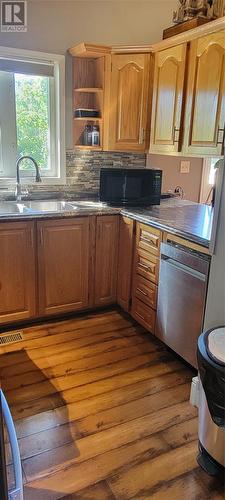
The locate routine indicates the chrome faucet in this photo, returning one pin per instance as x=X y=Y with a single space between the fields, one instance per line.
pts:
x=18 y=191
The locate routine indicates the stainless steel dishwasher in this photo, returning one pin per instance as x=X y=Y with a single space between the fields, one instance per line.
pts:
x=183 y=282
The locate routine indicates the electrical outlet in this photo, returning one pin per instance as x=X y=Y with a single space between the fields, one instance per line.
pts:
x=185 y=167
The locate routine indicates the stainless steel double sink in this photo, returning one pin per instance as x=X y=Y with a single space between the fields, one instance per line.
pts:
x=45 y=207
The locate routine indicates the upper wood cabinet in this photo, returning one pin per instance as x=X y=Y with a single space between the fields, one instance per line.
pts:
x=128 y=129
x=107 y=239
x=63 y=253
x=17 y=271
x=168 y=90
x=205 y=112
x=126 y=243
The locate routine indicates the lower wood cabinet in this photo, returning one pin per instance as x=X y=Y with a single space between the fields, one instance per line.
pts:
x=63 y=265
x=145 y=275
x=146 y=291
x=106 y=260
x=17 y=271
x=126 y=244
x=143 y=314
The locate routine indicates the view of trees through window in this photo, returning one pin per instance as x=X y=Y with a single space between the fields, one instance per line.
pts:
x=32 y=118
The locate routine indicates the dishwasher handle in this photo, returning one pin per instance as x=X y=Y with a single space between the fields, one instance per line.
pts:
x=184 y=268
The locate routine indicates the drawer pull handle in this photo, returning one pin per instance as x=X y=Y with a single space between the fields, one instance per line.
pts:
x=149 y=240
x=145 y=267
x=140 y=316
x=142 y=291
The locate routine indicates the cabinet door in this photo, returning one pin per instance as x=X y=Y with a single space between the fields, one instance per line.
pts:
x=106 y=259
x=17 y=271
x=168 y=90
x=129 y=102
x=205 y=116
x=63 y=253
x=125 y=262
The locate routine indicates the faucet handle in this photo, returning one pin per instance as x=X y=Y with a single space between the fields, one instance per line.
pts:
x=21 y=192
x=25 y=193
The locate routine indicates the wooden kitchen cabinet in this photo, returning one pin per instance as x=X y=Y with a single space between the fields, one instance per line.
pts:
x=63 y=259
x=129 y=102
x=146 y=275
x=125 y=259
x=205 y=111
x=17 y=271
x=106 y=259
x=167 y=101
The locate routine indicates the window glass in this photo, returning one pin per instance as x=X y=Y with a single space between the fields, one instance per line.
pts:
x=33 y=119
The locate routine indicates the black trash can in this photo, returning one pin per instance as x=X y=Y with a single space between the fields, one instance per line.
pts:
x=211 y=401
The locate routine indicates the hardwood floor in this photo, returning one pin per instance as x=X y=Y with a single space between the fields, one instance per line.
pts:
x=102 y=412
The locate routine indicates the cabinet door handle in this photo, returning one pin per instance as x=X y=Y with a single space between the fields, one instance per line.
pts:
x=142 y=291
x=220 y=131
x=41 y=236
x=32 y=237
x=175 y=131
x=142 y=136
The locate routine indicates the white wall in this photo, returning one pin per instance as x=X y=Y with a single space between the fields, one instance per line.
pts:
x=55 y=25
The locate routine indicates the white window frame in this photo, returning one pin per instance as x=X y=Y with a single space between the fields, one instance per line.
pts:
x=59 y=103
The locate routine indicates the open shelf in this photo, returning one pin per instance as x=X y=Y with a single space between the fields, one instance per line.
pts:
x=88 y=93
x=87 y=148
x=85 y=119
x=91 y=90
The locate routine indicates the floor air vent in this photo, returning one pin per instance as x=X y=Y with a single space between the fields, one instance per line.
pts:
x=9 y=338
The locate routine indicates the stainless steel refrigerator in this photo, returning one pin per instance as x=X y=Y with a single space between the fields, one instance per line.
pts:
x=215 y=304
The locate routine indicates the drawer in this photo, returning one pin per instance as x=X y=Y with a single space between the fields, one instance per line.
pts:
x=147 y=265
x=143 y=314
x=145 y=291
x=149 y=239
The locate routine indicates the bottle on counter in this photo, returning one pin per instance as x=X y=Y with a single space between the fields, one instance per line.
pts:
x=87 y=135
x=95 y=136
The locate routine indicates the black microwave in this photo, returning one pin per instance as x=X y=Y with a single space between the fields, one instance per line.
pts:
x=133 y=187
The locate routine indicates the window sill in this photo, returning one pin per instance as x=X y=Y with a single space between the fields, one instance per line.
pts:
x=6 y=182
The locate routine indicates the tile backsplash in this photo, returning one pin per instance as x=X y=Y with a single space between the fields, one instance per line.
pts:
x=83 y=167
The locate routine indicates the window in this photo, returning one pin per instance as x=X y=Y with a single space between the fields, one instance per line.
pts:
x=32 y=114
x=208 y=179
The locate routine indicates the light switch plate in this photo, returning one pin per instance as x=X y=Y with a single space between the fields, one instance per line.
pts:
x=185 y=167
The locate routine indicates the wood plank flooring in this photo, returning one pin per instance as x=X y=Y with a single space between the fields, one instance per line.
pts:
x=102 y=412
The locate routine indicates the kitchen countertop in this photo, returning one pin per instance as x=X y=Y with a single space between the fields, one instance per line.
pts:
x=187 y=219
x=181 y=217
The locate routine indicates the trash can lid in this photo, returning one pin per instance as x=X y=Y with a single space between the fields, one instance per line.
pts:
x=215 y=345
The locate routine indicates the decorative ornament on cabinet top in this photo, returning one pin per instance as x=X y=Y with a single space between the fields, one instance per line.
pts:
x=189 y=9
